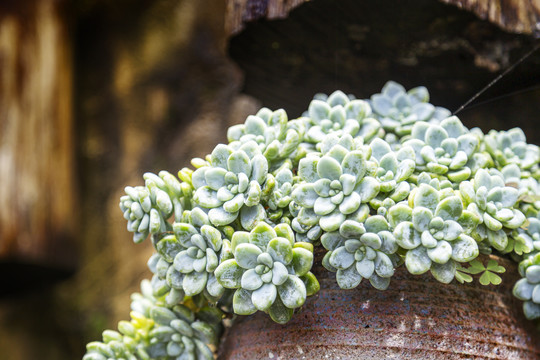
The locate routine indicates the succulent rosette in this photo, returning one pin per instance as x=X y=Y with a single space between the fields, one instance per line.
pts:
x=186 y=260
x=269 y=271
x=279 y=197
x=159 y=332
x=434 y=232
x=231 y=187
x=493 y=202
x=147 y=208
x=527 y=288
x=360 y=251
x=398 y=110
x=447 y=149
x=271 y=131
x=333 y=186
x=204 y=248
x=510 y=147
x=340 y=115
x=112 y=348
x=393 y=172
x=529 y=237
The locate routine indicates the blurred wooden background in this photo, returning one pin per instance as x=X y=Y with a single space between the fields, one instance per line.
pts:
x=94 y=93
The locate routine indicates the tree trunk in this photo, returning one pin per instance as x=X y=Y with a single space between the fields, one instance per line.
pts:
x=37 y=217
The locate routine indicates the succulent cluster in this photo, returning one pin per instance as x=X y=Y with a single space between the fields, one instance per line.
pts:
x=371 y=185
x=158 y=331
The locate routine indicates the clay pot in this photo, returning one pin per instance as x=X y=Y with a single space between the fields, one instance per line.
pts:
x=415 y=318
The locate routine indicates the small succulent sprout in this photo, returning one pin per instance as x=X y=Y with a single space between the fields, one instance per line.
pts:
x=527 y=288
x=280 y=196
x=270 y=130
x=488 y=197
x=186 y=260
x=334 y=186
x=232 y=186
x=177 y=331
x=528 y=188
x=398 y=110
x=147 y=208
x=446 y=149
x=166 y=283
x=529 y=238
x=360 y=251
x=393 y=172
x=113 y=347
x=510 y=147
x=201 y=255
x=340 y=115
x=269 y=271
x=433 y=232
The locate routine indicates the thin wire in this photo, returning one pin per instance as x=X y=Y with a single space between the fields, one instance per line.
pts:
x=498 y=78
x=520 y=91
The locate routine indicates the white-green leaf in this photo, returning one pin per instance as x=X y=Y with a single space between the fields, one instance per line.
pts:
x=365 y=267
x=195 y=282
x=348 y=278
x=251 y=280
x=229 y=274
x=444 y=272
x=440 y=253
x=329 y=168
x=464 y=249
x=417 y=261
x=246 y=255
x=242 y=304
x=264 y=297
x=292 y=292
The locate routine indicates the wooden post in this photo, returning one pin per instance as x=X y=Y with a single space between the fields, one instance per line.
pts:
x=518 y=16
x=37 y=191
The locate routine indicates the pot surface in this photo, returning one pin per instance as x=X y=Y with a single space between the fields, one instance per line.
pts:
x=415 y=318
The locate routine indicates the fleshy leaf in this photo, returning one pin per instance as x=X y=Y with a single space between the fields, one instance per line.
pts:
x=292 y=292
x=348 y=278
x=264 y=297
x=229 y=274
x=246 y=255
x=242 y=304
x=417 y=261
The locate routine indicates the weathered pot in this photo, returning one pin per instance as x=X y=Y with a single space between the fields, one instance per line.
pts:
x=415 y=318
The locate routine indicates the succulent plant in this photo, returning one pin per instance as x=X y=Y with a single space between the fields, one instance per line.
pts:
x=334 y=186
x=339 y=115
x=279 y=197
x=360 y=251
x=186 y=260
x=159 y=332
x=231 y=186
x=527 y=288
x=510 y=147
x=434 y=232
x=393 y=172
x=398 y=110
x=377 y=183
x=446 y=149
x=113 y=347
x=488 y=197
x=269 y=270
x=147 y=208
x=271 y=131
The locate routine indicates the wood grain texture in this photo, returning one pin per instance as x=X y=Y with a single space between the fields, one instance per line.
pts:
x=242 y=11
x=517 y=16
x=37 y=192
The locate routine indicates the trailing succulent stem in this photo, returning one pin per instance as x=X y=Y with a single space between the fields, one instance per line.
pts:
x=377 y=183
